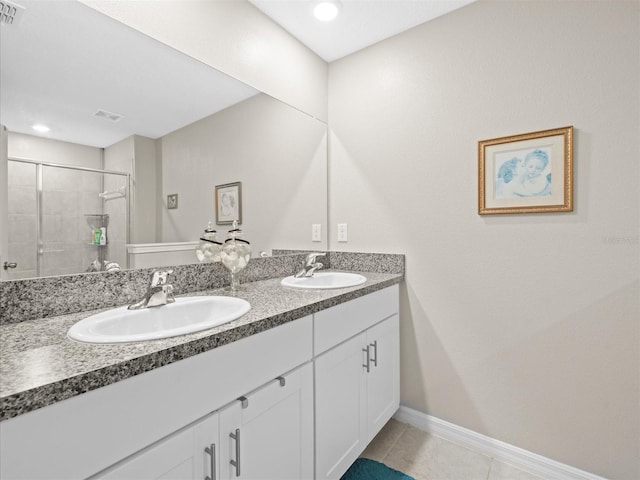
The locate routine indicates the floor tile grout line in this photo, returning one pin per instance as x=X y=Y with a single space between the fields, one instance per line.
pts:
x=490 y=467
x=393 y=444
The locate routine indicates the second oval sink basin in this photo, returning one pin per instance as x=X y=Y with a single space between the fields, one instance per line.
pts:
x=185 y=315
x=325 y=280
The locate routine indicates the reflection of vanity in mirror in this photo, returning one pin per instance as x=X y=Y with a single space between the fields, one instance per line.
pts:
x=184 y=128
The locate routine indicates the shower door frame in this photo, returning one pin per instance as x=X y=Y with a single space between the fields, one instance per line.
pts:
x=39 y=165
x=4 y=200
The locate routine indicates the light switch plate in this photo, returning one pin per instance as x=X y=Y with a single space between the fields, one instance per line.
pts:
x=342 y=232
x=316 y=232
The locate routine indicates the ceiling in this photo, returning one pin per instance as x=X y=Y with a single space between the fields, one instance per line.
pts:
x=63 y=61
x=360 y=23
x=62 y=80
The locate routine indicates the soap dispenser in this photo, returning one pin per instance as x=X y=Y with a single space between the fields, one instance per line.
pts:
x=208 y=250
x=235 y=254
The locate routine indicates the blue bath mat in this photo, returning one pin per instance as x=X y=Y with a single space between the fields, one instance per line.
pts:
x=365 y=469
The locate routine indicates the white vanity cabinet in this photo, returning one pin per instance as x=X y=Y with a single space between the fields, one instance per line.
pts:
x=294 y=402
x=357 y=381
x=266 y=434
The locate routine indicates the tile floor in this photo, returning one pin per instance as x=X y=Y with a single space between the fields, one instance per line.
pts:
x=425 y=456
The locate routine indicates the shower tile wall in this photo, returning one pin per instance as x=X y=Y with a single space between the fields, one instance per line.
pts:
x=67 y=195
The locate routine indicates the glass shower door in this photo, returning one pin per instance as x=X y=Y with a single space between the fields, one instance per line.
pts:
x=22 y=217
x=51 y=212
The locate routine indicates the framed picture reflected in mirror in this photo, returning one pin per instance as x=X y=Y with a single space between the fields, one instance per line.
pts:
x=228 y=199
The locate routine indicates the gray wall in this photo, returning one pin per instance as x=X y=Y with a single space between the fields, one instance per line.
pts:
x=277 y=152
x=521 y=327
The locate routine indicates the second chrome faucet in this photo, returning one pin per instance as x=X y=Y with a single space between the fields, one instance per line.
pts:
x=310 y=265
x=159 y=292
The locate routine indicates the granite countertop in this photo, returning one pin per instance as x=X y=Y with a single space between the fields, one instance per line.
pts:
x=39 y=365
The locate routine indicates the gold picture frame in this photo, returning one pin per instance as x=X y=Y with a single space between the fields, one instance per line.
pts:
x=526 y=173
x=228 y=203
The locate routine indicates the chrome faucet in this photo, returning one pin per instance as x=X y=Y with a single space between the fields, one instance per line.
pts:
x=158 y=293
x=310 y=265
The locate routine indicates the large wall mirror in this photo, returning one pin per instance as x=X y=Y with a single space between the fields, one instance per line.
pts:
x=140 y=135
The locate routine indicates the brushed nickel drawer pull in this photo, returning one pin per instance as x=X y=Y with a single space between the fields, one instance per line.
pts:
x=236 y=462
x=212 y=452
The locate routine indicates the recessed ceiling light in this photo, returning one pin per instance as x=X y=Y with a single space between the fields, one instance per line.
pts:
x=326 y=10
x=41 y=128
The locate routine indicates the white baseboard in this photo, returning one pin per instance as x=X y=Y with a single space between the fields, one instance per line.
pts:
x=531 y=462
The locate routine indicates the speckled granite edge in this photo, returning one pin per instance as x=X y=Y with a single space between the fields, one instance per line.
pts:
x=358 y=261
x=367 y=262
x=29 y=299
x=38 y=397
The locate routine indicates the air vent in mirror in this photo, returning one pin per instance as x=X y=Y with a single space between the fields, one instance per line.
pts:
x=112 y=117
x=10 y=13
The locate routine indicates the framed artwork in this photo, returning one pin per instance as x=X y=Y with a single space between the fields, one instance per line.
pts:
x=228 y=203
x=526 y=173
x=172 y=201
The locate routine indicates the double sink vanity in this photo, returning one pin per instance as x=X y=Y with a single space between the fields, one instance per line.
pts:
x=292 y=384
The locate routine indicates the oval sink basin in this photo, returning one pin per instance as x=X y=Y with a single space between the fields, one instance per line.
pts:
x=325 y=280
x=185 y=315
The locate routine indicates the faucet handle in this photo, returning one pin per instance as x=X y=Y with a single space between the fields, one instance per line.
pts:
x=168 y=291
x=159 y=277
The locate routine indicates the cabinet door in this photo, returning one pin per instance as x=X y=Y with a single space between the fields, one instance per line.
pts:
x=271 y=436
x=383 y=380
x=340 y=407
x=180 y=456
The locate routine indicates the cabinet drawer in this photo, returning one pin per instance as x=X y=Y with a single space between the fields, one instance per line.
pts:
x=336 y=324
